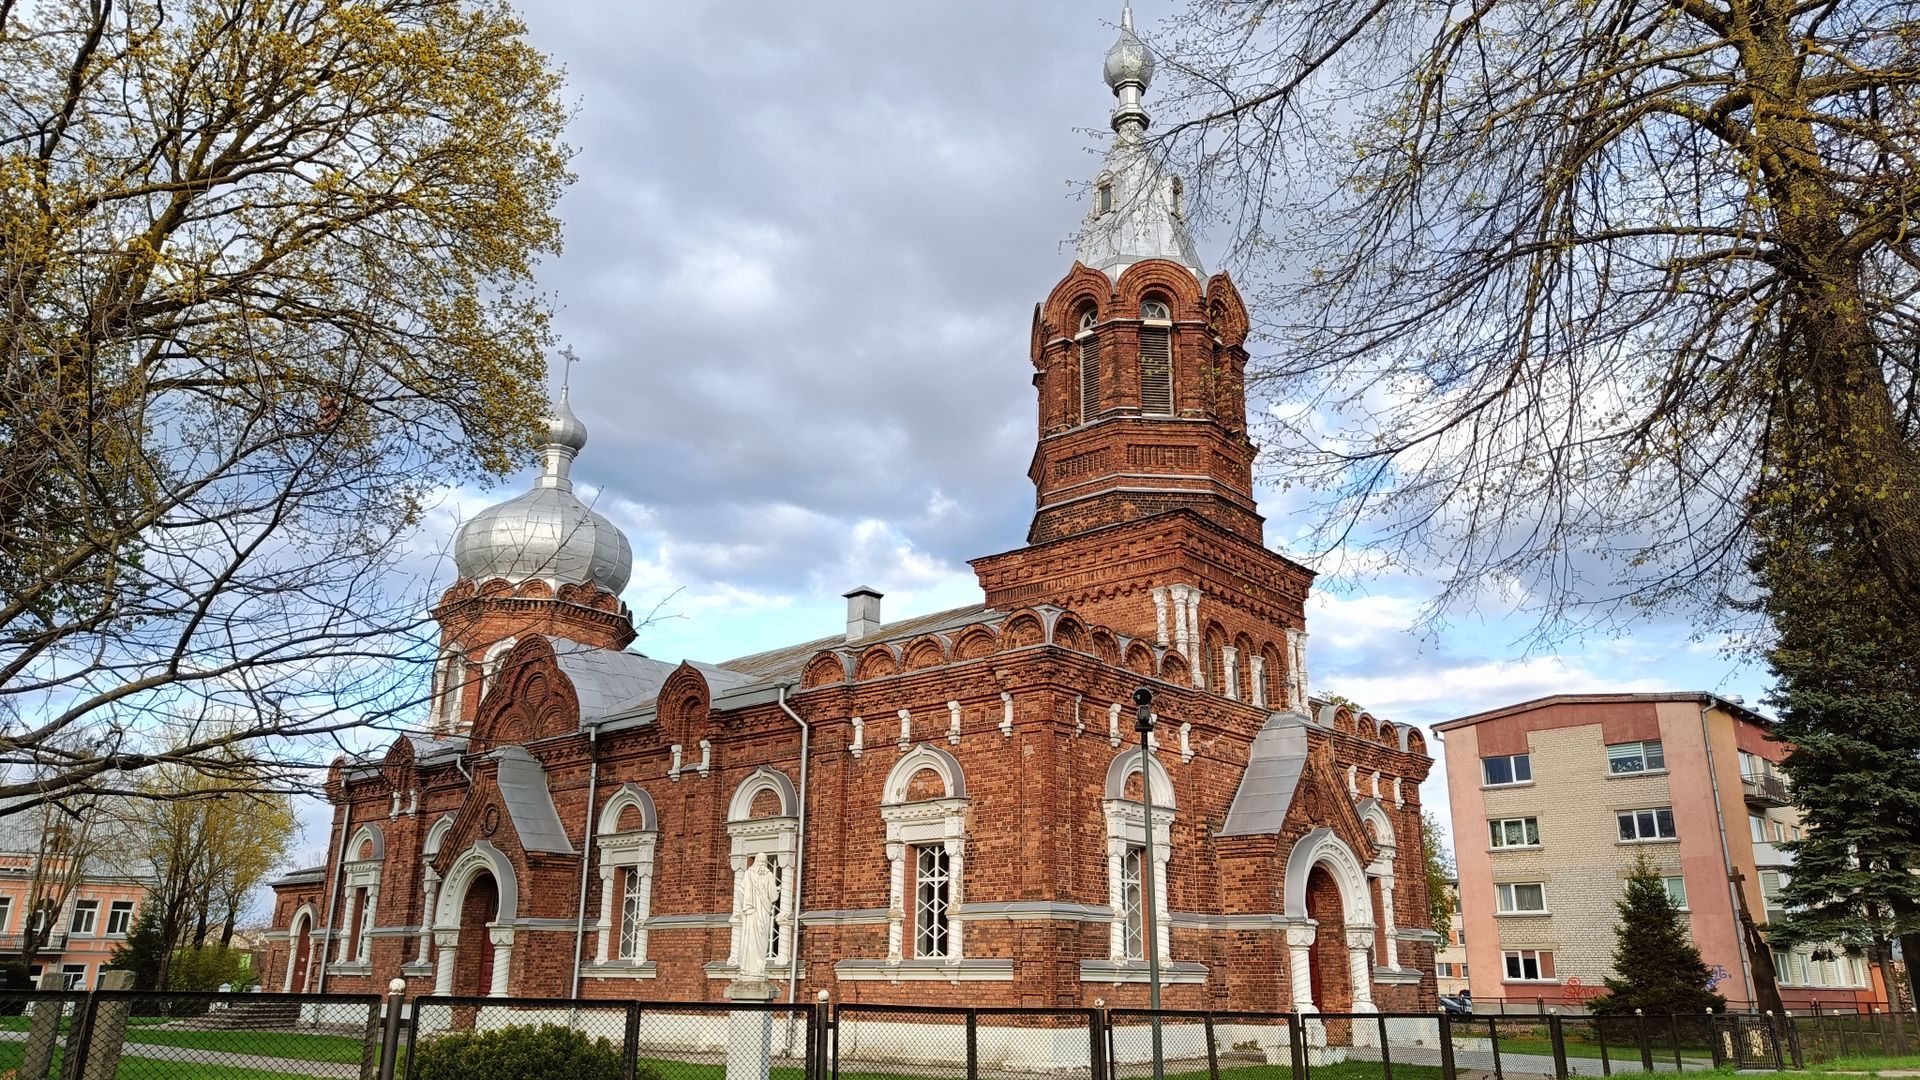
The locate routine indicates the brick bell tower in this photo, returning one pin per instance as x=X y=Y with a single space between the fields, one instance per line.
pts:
x=541 y=563
x=1143 y=470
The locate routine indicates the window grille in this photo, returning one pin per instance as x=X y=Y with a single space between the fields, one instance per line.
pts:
x=930 y=908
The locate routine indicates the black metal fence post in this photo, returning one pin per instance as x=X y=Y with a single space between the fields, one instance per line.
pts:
x=1646 y=1044
x=1448 y=1070
x=390 y=1027
x=1386 y=1053
x=1673 y=1034
x=1773 y=1036
x=973 y=1045
x=630 y=1040
x=82 y=1039
x=1213 y=1050
x=1297 y=1047
x=1713 y=1039
x=1493 y=1042
x=1558 y=1035
x=1600 y=1036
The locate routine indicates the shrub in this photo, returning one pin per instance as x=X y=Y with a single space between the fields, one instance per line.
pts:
x=549 y=1051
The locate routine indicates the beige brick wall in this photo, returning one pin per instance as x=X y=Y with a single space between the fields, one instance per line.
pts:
x=1581 y=860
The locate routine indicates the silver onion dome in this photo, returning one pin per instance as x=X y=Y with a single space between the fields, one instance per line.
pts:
x=1129 y=61
x=547 y=533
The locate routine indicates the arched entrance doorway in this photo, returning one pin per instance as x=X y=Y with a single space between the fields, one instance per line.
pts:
x=473 y=924
x=1328 y=962
x=1333 y=937
x=473 y=973
x=299 y=951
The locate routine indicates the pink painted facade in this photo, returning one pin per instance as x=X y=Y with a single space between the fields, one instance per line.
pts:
x=84 y=931
x=1688 y=779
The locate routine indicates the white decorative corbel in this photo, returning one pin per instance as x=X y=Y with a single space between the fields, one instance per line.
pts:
x=953 y=722
x=673 y=767
x=1398 y=802
x=906 y=730
x=1376 y=783
x=394 y=810
x=1006 y=713
x=1113 y=724
x=1186 y=742
x=859 y=737
x=706 y=757
x=1353 y=780
x=413 y=800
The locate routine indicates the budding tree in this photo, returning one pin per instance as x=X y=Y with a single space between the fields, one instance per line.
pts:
x=1559 y=293
x=265 y=288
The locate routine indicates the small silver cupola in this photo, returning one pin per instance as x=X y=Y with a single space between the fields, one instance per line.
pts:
x=547 y=533
x=1136 y=212
x=863 y=612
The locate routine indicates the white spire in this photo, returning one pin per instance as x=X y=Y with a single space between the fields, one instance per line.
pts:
x=1136 y=211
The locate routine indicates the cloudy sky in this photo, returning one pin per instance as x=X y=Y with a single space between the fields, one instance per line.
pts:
x=801 y=259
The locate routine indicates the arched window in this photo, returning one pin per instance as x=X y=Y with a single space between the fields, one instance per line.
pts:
x=627 y=836
x=924 y=806
x=452 y=678
x=1089 y=367
x=493 y=661
x=1156 y=358
x=1127 y=854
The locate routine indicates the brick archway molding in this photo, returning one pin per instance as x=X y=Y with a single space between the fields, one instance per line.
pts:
x=1323 y=847
x=481 y=858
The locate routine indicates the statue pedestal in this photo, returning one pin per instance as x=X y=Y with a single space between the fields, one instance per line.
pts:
x=750 y=1031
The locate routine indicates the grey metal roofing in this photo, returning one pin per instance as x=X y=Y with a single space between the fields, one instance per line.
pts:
x=302 y=877
x=609 y=682
x=523 y=787
x=1274 y=764
x=426 y=746
x=787 y=663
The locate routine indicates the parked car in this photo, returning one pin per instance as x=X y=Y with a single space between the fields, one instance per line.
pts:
x=1456 y=1006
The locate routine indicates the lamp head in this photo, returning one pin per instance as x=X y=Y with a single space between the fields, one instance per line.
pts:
x=1143 y=709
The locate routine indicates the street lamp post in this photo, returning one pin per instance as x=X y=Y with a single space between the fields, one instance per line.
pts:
x=1150 y=934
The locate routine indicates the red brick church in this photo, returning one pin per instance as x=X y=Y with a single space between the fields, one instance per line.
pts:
x=950 y=803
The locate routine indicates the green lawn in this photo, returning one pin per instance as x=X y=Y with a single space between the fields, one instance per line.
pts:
x=1623 y=1051
x=298 y=1045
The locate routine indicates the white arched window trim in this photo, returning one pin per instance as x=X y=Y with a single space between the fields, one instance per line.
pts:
x=938 y=822
x=1380 y=873
x=1126 y=829
x=449 y=681
x=626 y=879
x=777 y=838
x=491 y=661
x=359 y=872
x=306 y=921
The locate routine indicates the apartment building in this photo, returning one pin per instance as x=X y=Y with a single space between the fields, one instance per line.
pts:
x=1554 y=799
x=1450 y=959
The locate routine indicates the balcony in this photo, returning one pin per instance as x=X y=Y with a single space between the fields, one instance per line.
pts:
x=11 y=944
x=1764 y=790
x=1766 y=855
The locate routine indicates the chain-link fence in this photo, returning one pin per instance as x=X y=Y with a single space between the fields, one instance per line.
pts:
x=127 y=1035
x=632 y=1040
x=124 y=1035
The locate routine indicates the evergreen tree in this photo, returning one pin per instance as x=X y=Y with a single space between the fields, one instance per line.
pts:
x=1656 y=965
x=145 y=951
x=1845 y=664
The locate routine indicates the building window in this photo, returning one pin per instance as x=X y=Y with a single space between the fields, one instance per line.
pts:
x=6 y=912
x=1104 y=196
x=85 y=914
x=1514 y=832
x=930 y=901
x=1130 y=902
x=1443 y=969
x=1641 y=825
x=627 y=836
x=1156 y=359
x=1463 y=971
x=75 y=976
x=1757 y=827
x=1676 y=887
x=633 y=913
x=1529 y=965
x=1089 y=368
x=1635 y=757
x=120 y=918
x=1520 y=898
x=1506 y=769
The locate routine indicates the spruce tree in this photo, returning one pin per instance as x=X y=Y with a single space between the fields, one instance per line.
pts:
x=145 y=951
x=1656 y=965
x=1846 y=664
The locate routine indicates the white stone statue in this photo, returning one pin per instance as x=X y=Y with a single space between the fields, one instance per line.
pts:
x=758 y=891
